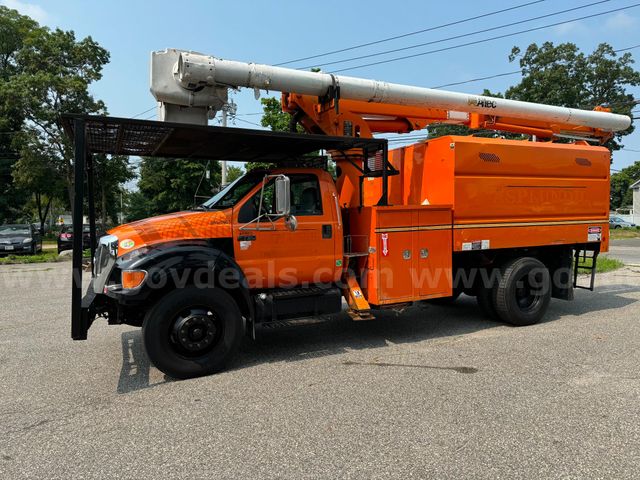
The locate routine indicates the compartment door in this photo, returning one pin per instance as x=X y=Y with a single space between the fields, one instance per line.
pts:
x=395 y=255
x=433 y=252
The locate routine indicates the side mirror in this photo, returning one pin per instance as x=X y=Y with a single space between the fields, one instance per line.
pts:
x=291 y=222
x=283 y=196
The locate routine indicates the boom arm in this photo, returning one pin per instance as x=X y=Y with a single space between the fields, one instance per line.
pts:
x=201 y=82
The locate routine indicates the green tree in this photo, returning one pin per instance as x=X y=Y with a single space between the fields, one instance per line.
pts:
x=14 y=29
x=35 y=172
x=273 y=117
x=562 y=75
x=171 y=185
x=234 y=173
x=621 y=195
x=276 y=120
x=110 y=173
x=137 y=206
x=52 y=74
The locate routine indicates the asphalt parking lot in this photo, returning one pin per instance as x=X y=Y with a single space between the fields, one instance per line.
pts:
x=435 y=392
x=626 y=250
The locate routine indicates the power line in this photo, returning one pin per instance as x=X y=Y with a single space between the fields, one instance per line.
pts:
x=404 y=35
x=142 y=113
x=476 y=42
x=628 y=48
x=478 y=79
x=455 y=37
x=246 y=121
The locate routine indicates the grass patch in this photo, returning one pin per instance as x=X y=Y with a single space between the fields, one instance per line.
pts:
x=604 y=264
x=619 y=233
x=44 y=257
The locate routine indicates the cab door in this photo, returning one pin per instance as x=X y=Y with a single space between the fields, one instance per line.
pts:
x=273 y=256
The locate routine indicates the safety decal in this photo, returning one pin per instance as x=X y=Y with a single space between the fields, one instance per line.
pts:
x=385 y=244
x=477 y=245
x=245 y=244
x=594 y=234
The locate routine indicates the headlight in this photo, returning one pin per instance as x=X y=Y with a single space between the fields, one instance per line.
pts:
x=27 y=240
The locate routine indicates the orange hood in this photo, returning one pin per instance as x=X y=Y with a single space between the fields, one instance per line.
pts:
x=174 y=226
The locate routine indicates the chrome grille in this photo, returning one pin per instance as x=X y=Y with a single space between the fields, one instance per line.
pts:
x=104 y=260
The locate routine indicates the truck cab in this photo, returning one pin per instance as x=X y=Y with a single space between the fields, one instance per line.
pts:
x=267 y=247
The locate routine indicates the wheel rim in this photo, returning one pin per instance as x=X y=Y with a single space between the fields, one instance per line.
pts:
x=195 y=331
x=528 y=291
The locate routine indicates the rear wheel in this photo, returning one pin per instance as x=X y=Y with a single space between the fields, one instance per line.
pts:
x=192 y=332
x=523 y=292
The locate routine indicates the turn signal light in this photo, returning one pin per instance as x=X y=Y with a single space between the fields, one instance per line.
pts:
x=133 y=278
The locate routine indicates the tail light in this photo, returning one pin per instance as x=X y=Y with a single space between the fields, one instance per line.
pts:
x=65 y=236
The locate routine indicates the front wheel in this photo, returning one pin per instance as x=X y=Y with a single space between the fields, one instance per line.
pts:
x=523 y=292
x=192 y=332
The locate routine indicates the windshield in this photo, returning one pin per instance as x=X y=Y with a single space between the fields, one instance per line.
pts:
x=234 y=192
x=14 y=230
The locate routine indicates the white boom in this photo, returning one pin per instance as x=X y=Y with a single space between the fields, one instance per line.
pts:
x=189 y=84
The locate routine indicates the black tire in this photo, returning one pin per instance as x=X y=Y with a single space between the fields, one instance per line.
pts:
x=213 y=311
x=523 y=292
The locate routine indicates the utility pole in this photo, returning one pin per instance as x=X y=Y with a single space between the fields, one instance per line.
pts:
x=227 y=109
x=223 y=179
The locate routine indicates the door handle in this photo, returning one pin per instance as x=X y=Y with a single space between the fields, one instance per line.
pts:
x=246 y=238
x=326 y=231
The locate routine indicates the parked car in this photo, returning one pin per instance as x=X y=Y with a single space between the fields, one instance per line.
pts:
x=65 y=239
x=617 y=222
x=20 y=238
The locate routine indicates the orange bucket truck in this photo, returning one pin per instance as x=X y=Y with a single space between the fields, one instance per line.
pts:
x=501 y=219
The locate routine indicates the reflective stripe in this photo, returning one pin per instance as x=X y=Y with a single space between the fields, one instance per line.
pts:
x=490 y=225
x=528 y=224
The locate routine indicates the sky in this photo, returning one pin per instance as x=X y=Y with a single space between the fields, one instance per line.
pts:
x=281 y=30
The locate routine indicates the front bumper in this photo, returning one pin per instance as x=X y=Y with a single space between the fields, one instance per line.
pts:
x=20 y=248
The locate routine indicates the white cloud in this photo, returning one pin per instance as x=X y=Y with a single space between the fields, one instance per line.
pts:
x=30 y=9
x=620 y=21
x=571 y=28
